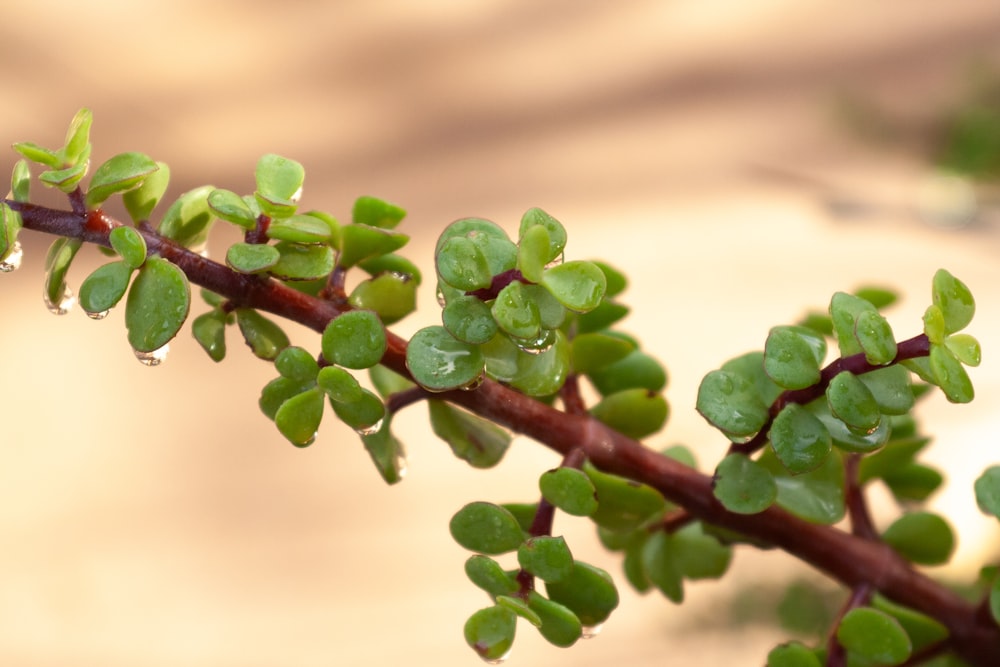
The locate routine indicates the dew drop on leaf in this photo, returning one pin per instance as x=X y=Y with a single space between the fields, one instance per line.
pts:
x=12 y=262
x=154 y=358
x=475 y=384
x=65 y=304
x=546 y=339
x=98 y=316
x=591 y=631
x=497 y=661
x=370 y=430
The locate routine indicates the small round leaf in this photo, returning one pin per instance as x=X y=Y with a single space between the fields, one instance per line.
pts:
x=743 y=485
x=548 y=558
x=157 y=305
x=252 y=257
x=954 y=299
x=298 y=418
x=490 y=632
x=800 y=440
x=355 y=339
x=570 y=490
x=440 y=362
x=231 y=207
x=874 y=636
x=875 y=337
x=853 y=403
x=265 y=338
x=790 y=358
x=122 y=172
x=560 y=626
x=987 y=488
x=588 y=591
x=578 y=285
x=128 y=243
x=732 y=404
x=104 y=288
x=921 y=537
x=486 y=528
x=950 y=375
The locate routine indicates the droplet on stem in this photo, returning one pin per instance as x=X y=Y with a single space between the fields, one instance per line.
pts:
x=154 y=358
x=12 y=262
x=65 y=303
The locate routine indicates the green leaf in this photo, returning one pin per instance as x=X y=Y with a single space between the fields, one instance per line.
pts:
x=440 y=362
x=300 y=229
x=637 y=370
x=365 y=415
x=965 y=348
x=560 y=626
x=800 y=440
x=473 y=439
x=279 y=184
x=488 y=575
x=699 y=555
x=486 y=528
x=140 y=201
x=533 y=253
x=469 y=319
x=361 y=242
x=296 y=363
x=570 y=490
x=128 y=243
x=555 y=233
x=852 y=403
x=388 y=382
x=375 y=212
x=392 y=296
x=277 y=391
x=105 y=287
x=792 y=356
x=587 y=591
x=950 y=375
x=577 y=285
x=995 y=600
x=848 y=439
x=10 y=226
x=157 y=305
x=252 y=257
x=934 y=324
x=743 y=485
x=122 y=172
x=913 y=482
x=602 y=317
x=792 y=654
x=20 y=182
x=68 y=178
x=987 y=488
x=636 y=413
x=461 y=264
x=750 y=366
x=875 y=337
x=339 y=385
x=921 y=537
x=891 y=388
x=874 y=636
x=623 y=505
x=844 y=311
x=188 y=219
x=515 y=313
x=265 y=338
x=77 y=143
x=57 y=262
x=732 y=404
x=490 y=632
x=879 y=297
x=355 y=339
x=816 y=496
x=302 y=262
x=660 y=566
x=298 y=418
x=385 y=450
x=954 y=299
x=519 y=607
x=393 y=263
x=592 y=352
x=39 y=154
x=922 y=630
x=231 y=207
x=209 y=329
x=548 y=558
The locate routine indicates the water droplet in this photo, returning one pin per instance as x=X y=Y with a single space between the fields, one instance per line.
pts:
x=64 y=305
x=12 y=262
x=98 y=316
x=401 y=464
x=154 y=358
x=475 y=384
x=370 y=430
x=726 y=385
x=496 y=661
x=591 y=631
x=538 y=345
x=401 y=277
x=557 y=261
x=442 y=301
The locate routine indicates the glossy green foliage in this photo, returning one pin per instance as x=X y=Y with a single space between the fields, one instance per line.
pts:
x=440 y=362
x=954 y=300
x=469 y=319
x=20 y=182
x=792 y=654
x=545 y=557
x=141 y=200
x=69 y=164
x=845 y=309
x=965 y=348
x=365 y=414
x=532 y=371
x=57 y=262
x=302 y=262
x=987 y=488
x=570 y=490
x=520 y=608
x=743 y=485
x=875 y=336
x=77 y=141
x=559 y=625
x=10 y=226
x=577 y=285
x=355 y=339
x=120 y=173
x=376 y=212
x=490 y=632
x=852 y=402
x=129 y=244
x=105 y=287
x=67 y=179
x=874 y=636
x=592 y=352
x=388 y=382
x=800 y=440
x=265 y=338
x=555 y=232
x=587 y=591
x=792 y=356
x=360 y=243
x=462 y=264
x=816 y=496
x=157 y=305
x=921 y=537
x=251 y=257
x=488 y=575
x=486 y=528
x=385 y=450
x=515 y=313
x=623 y=505
x=473 y=439
x=637 y=370
x=950 y=375
x=339 y=384
x=891 y=388
x=229 y=206
x=296 y=363
x=209 y=329
x=392 y=296
x=300 y=228
x=188 y=220
x=922 y=630
x=636 y=413
x=279 y=184
x=299 y=417
x=392 y=263
x=533 y=253
x=732 y=404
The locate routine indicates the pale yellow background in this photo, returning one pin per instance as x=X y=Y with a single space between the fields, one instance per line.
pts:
x=154 y=517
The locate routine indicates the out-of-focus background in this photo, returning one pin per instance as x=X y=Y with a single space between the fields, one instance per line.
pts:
x=740 y=160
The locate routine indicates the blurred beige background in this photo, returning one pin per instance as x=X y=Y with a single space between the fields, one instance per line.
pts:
x=154 y=517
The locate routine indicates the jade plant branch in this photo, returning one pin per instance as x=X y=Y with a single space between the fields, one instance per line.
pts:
x=854 y=560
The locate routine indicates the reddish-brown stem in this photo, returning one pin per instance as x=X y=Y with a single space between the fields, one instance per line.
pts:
x=848 y=558
x=854 y=498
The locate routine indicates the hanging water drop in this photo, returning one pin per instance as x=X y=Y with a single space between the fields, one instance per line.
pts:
x=439 y=295
x=98 y=316
x=65 y=303
x=475 y=384
x=154 y=358
x=546 y=339
x=401 y=464
x=370 y=430
x=12 y=262
x=496 y=661
x=556 y=261
x=591 y=631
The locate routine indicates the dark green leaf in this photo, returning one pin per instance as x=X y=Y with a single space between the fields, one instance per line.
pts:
x=592 y=352
x=251 y=257
x=473 y=439
x=104 y=288
x=792 y=356
x=570 y=490
x=302 y=262
x=515 y=313
x=339 y=384
x=385 y=450
x=486 y=528
x=392 y=296
x=546 y=557
x=488 y=575
x=636 y=413
x=157 y=305
x=954 y=299
x=844 y=311
x=875 y=337
x=265 y=338
x=355 y=339
x=698 y=555
x=792 y=654
x=298 y=418
x=365 y=415
x=577 y=285
x=800 y=440
x=209 y=329
x=874 y=636
x=852 y=403
x=490 y=632
x=950 y=375
x=375 y=212
x=440 y=362
x=637 y=370
x=560 y=626
x=588 y=592
x=469 y=320
x=743 y=485
x=128 y=243
x=732 y=404
x=987 y=488
x=623 y=505
x=660 y=566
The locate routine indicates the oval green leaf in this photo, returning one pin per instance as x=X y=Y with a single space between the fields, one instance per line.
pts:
x=157 y=305
x=578 y=285
x=440 y=362
x=800 y=440
x=128 y=243
x=570 y=490
x=299 y=417
x=486 y=528
x=732 y=404
x=743 y=485
x=874 y=636
x=954 y=299
x=104 y=288
x=355 y=339
x=122 y=172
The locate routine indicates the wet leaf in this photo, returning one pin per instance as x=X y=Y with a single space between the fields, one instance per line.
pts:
x=560 y=626
x=743 y=485
x=229 y=206
x=515 y=313
x=298 y=418
x=732 y=404
x=251 y=257
x=376 y=212
x=488 y=575
x=339 y=384
x=950 y=375
x=366 y=415
x=875 y=337
x=546 y=557
x=954 y=299
x=140 y=201
x=473 y=439
x=874 y=636
x=588 y=592
x=188 y=219
x=852 y=403
x=792 y=356
x=157 y=305
x=486 y=528
x=844 y=311
x=636 y=413
x=209 y=329
x=355 y=339
x=555 y=232
x=570 y=490
x=279 y=183
x=265 y=338
x=128 y=243
x=439 y=362
x=105 y=287
x=469 y=320
x=360 y=243
x=122 y=172
x=385 y=450
x=533 y=252
x=490 y=632
x=57 y=263
x=800 y=440
x=577 y=285
x=392 y=296
x=302 y=262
